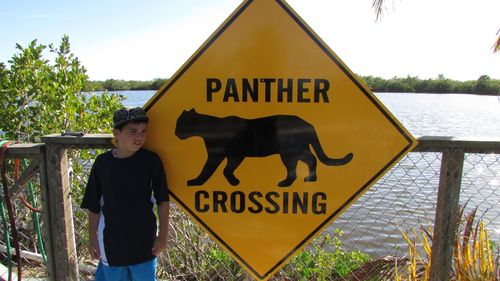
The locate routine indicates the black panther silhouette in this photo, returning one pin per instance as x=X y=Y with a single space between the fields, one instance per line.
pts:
x=235 y=138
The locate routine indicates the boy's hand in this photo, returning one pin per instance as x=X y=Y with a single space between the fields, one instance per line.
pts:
x=161 y=240
x=159 y=245
x=94 y=249
x=93 y=243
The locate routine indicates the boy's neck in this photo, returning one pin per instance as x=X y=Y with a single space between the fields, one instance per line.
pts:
x=120 y=153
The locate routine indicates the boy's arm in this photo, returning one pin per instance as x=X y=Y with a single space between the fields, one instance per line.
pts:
x=93 y=225
x=161 y=241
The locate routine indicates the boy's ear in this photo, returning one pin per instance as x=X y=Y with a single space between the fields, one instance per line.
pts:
x=116 y=132
x=114 y=142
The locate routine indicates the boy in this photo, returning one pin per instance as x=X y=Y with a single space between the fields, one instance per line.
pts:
x=123 y=186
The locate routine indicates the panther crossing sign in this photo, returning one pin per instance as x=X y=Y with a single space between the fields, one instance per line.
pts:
x=266 y=136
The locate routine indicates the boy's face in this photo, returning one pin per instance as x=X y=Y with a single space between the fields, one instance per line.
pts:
x=131 y=137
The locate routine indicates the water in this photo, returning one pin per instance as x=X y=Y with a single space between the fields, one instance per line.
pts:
x=457 y=115
x=136 y=98
x=406 y=197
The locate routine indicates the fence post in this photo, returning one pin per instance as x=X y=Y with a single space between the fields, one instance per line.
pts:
x=47 y=218
x=36 y=152
x=445 y=223
x=61 y=212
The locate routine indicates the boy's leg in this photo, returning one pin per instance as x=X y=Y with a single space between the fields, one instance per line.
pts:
x=112 y=273
x=144 y=271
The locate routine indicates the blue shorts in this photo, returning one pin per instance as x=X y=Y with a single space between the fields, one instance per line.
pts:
x=138 y=272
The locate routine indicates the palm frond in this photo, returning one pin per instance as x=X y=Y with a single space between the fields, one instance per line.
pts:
x=496 y=46
x=378 y=5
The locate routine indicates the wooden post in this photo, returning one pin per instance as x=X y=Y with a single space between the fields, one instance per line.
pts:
x=62 y=234
x=445 y=222
x=47 y=225
x=61 y=212
x=36 y=152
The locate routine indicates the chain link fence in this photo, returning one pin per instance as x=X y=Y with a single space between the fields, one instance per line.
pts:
x=26 y=208
x=375 y=239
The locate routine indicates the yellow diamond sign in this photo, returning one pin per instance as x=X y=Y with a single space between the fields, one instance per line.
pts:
x=267 y=136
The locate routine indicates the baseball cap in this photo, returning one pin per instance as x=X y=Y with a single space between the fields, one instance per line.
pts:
x=126 y=114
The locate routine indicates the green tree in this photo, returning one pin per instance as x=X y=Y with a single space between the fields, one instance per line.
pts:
x=482 y=84
x=39 y=98
x=157 y=83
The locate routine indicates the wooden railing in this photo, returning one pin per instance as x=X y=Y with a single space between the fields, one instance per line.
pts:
x=49 y=158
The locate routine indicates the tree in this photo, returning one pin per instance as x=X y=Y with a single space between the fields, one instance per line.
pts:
x=157 y=83
x=39 y=98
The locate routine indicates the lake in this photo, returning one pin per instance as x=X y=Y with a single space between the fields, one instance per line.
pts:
x=455 y=115
x=406 y=196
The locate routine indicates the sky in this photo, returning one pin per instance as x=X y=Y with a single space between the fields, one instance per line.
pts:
x=145 y=40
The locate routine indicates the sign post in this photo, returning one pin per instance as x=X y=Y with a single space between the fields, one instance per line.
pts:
x=266 y=135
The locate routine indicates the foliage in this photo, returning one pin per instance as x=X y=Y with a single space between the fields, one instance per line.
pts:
x=122 y=85
x=417 y=266
x=325 y=259
x=192 y=255
x=484 y=85
x=474 y=257
x=39 y=98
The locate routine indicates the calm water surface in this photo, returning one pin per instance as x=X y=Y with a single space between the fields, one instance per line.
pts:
x=455 y=115
x=371 y=224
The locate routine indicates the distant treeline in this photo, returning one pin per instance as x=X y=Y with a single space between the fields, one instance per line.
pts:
x=484 y=85
x=124 y=85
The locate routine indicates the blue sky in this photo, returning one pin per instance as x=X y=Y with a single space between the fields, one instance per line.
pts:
x=143 y=40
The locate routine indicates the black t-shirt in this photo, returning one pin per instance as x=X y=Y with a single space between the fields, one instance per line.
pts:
x=124 y=190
